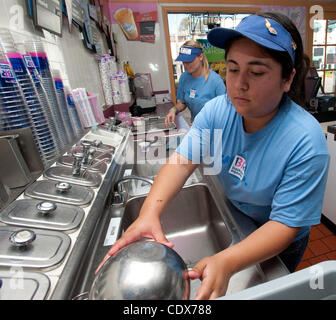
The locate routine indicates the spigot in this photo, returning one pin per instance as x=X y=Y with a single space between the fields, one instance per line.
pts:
x=97 y=143
x=91 y=153
x=77 y=164
x=86 y=147
x=119 y=195
x=112 y=124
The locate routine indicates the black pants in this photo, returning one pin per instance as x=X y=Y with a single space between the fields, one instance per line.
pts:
x=292 y=256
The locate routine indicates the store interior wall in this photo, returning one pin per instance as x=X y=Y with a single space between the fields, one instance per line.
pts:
x=145 y=57
x=78 y=65
x=152 y=57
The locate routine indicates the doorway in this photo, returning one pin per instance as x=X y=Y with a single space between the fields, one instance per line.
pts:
x=185 y=23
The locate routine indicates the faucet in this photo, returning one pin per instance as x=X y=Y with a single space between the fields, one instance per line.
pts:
x=86 y=151
x=77 y=163
x=118 y=197
x=112 y=124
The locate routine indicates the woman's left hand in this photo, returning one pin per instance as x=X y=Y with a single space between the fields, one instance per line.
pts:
x=215 y=276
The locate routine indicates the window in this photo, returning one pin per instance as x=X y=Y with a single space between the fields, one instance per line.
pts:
x=324 y=53
x=195 y=26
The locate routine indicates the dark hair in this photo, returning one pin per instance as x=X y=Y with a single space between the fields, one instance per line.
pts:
x=302 y=61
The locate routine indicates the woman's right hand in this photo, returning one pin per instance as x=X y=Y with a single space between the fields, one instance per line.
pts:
x=170 y=118
x=142 y=227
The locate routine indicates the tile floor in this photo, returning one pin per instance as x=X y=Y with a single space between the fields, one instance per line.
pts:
x=321 y=246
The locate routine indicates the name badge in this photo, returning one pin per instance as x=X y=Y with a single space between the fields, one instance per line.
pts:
x=192 y=93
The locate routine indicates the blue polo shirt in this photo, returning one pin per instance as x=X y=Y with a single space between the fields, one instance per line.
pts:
x=277 y=173
x=195 y=92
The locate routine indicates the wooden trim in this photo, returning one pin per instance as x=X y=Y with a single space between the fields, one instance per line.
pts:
x=246 y=2
x=169 y=56
x=171 y=9
x=326 y=4
x=309 y=35
x=329 y=13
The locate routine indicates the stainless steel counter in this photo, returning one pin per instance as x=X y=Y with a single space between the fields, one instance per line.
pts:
x=90 y=247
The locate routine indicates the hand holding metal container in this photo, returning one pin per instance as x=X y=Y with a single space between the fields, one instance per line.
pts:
x=143 y=270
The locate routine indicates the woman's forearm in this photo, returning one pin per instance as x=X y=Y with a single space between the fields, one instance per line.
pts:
x=179 y=106
x=267 y=241
x=167 y=184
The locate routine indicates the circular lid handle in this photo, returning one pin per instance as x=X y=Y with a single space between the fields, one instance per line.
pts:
x=63 y=186
x=22 y=237
x=46 y=207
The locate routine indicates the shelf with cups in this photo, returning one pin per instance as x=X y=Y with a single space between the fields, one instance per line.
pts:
x=122 y=107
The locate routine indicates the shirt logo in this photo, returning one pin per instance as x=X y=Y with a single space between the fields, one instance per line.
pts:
x=238 y=167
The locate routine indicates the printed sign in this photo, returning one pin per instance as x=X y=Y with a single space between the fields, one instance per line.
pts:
x=213 y=54
x=136 y=20
x=112 y=231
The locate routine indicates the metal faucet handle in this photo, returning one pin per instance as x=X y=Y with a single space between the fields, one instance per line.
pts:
x=78 y=155
x=92 y=151
x=77 y=163
x=86 y=145
x=97 y=143
x=118 y=198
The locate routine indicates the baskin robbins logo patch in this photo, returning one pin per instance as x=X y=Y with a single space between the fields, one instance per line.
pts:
x=238 y=166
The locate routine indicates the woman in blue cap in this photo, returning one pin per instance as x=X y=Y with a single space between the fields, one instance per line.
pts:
x=273 y=154
x=197 y=85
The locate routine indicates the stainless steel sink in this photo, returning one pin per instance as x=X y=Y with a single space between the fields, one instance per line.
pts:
x=153 y=124
x=192 y=222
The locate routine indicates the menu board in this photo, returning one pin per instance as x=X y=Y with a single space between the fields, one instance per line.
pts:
x=136 y=20
x=47 y=14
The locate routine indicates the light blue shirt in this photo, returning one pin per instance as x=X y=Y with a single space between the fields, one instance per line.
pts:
x=277 y=173
x=194 y=92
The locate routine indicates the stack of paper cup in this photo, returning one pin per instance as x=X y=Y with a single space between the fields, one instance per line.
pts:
x=84 y=107
x=115 y=89
x=112 y=64
x=124 y=87
x=116 y=97
x=105 y=73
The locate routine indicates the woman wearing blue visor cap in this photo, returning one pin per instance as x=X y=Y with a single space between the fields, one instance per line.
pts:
x=269 y=154
x=197 y=85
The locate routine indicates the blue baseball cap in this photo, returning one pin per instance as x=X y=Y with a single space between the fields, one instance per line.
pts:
x=264 y=31
x=188 y=54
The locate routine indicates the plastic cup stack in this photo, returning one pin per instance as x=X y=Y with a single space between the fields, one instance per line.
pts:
x=38 y=122
x=63 y=104
x=37 y=52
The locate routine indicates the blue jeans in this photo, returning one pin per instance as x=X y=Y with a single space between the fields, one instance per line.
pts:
x=292 y=256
